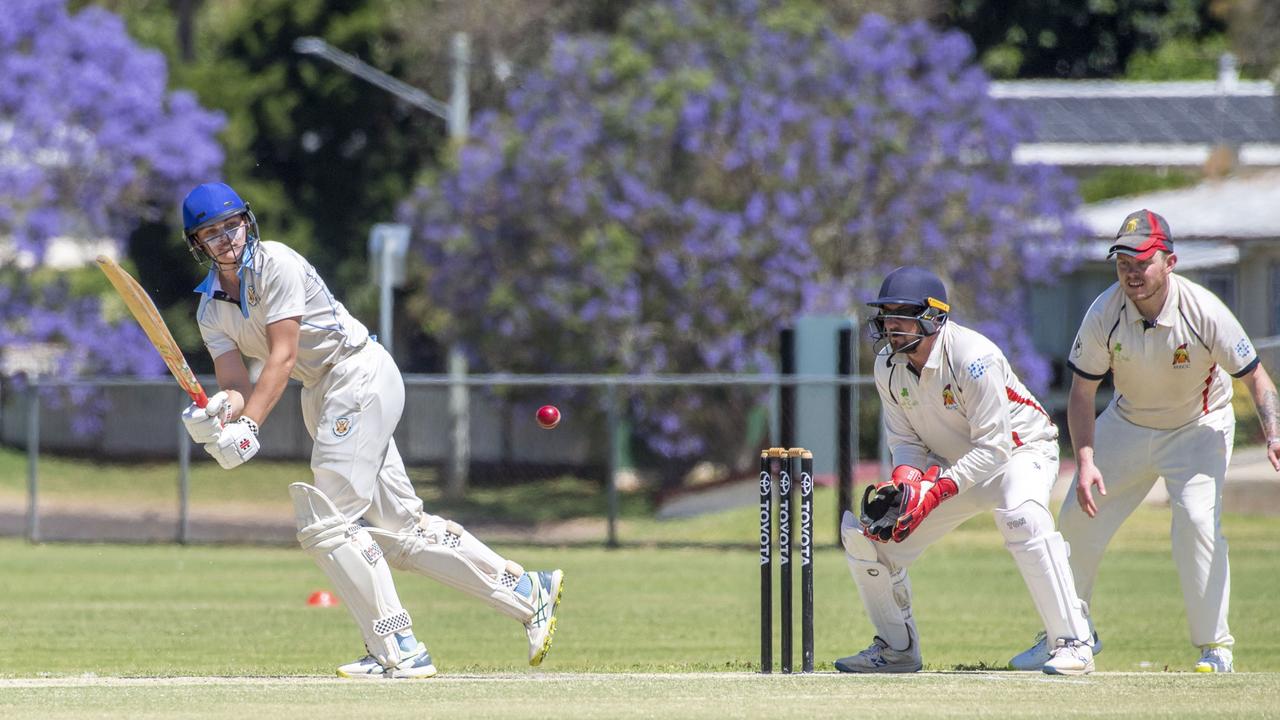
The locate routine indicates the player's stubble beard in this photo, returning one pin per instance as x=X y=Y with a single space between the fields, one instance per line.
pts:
x=1150 y=295
x=919 y=347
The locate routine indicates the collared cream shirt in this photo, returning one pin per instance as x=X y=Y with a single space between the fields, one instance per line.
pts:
x=278 y=283
x=1170 y=372
x=965 y=406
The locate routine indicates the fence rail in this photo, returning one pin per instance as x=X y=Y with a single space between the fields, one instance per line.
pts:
x=149 y=407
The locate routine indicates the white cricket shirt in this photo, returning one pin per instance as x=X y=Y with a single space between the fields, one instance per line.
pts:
x=1170 y=372
x=278 y=283
x=966 y=406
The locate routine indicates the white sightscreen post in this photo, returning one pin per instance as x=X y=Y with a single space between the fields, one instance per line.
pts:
x=385 y=296
x=460 y=424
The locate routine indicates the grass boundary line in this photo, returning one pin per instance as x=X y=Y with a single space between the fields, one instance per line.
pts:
x=554 y=677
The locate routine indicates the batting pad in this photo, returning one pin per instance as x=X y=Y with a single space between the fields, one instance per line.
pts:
x=885 y=595
x=1041 y=555
x=442 y=550
x=354 y=564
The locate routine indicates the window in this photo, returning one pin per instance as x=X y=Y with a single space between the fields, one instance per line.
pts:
x=1223 y=284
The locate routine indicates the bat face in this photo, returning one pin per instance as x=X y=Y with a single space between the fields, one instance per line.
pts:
x=145 y=312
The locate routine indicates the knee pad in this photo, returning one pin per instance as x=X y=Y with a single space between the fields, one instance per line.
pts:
x=1026 y=521
x=354 y=563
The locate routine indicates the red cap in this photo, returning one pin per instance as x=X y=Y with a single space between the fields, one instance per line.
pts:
x=1142 y=235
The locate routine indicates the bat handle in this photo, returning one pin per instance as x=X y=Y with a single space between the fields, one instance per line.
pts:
x=199 y=398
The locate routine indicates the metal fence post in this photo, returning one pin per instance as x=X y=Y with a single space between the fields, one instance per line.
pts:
x=33 y=458
x=184 y=479
x=845 y=438
x=787 y=388
x=611 y=477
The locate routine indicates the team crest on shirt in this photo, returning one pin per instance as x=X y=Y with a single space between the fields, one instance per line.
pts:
x=906 y=400
x=342 y=426
x=1244 y=348
x=1181 y=357
x=948 y=398
x=978 y=367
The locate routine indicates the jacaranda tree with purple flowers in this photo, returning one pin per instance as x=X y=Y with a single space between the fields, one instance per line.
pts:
x=664 y=200
x=93 y=145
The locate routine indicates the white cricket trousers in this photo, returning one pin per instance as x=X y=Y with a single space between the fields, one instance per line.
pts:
x=351 y=414
x=1193 y=461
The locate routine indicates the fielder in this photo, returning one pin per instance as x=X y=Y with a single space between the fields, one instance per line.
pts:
x=966 y=437
x=1172 y=348
x=361 y=516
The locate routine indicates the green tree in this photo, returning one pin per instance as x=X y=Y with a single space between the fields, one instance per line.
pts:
x=661 y=200
x=1072 y=39
x=319 y=154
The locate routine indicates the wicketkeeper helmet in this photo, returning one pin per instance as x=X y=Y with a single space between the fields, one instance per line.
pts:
x=923 y=292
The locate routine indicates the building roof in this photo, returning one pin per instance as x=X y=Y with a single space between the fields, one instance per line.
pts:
x=1145 y=123
x=1128 y=112
x=1245 y=207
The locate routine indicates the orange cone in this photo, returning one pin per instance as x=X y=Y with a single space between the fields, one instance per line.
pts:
x=322 y=598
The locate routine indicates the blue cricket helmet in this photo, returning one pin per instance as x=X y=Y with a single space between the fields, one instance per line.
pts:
x=923 y=292
x=208 y=204
x=912 y=286
x=211 y=203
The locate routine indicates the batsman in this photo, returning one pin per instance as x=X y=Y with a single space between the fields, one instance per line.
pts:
x=966 y=437
x=359 y=516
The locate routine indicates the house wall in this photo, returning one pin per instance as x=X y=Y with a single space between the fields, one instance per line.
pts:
x=1056 y=312
x=1259 y=289
x=1252 y=290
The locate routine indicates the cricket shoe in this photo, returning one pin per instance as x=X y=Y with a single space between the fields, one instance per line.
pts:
x=880 y=658
x=543 y=591
x=1034 y=657
x=1069 y=657
x=417 y=665
x=1215 y=659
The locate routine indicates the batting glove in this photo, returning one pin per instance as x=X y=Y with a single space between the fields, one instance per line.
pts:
x=922 y=492
x=236 y=444
x=204 y=423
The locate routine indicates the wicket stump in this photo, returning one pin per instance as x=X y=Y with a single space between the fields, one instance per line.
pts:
x=783 y=463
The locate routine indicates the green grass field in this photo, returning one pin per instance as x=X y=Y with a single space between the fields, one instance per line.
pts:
x=224 y=631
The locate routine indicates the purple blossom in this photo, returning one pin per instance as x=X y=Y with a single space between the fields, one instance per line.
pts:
x=93 y=144
x=712 y=177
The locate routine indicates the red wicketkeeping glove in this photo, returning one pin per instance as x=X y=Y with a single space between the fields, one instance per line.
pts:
x=921 y=494
x=882 y=503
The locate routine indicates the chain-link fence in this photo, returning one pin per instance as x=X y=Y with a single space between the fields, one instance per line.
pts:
x=635 y=459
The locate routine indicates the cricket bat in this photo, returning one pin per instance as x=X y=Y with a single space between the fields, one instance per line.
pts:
x=145 y=312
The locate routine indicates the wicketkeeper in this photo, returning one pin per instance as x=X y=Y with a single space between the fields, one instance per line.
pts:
x=360 y=517
x=966 y=437
x=1172 y=348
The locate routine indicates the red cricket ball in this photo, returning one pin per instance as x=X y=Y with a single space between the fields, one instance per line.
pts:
x=548 y=417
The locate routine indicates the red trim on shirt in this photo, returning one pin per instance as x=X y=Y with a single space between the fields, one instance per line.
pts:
x=1016 y=398
x=1017 y=441
x=1208 y=382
